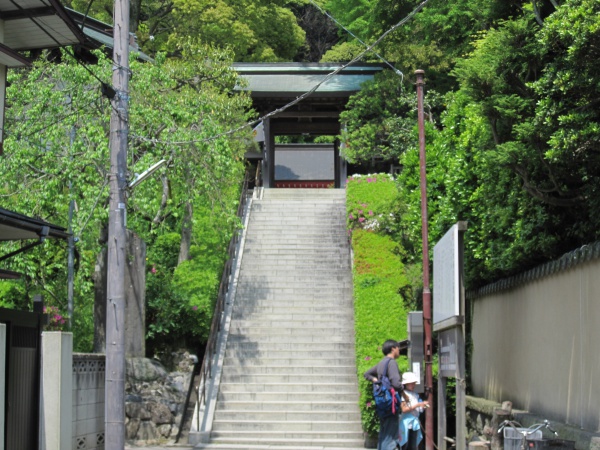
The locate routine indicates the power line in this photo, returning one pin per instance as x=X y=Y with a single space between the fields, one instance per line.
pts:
x=396 y=71
x=299 y=98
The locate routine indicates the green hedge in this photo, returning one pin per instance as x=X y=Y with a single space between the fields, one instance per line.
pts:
x=379 y=277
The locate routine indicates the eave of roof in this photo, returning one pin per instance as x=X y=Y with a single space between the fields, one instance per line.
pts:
x=292 y=79
x=100 y=33
x=37 y=24
x=15 y=226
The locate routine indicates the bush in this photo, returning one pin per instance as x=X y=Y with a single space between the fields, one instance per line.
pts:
x=379 y=278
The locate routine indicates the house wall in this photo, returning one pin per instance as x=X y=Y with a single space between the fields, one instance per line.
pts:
x=534 y=343
x=88 y=401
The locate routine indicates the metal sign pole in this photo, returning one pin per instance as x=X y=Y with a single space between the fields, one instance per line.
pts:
x=426 y=288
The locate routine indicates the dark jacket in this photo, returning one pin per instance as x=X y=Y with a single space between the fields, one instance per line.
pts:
x=393 y=373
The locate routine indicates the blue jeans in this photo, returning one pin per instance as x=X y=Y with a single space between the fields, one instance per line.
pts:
x=388 y=433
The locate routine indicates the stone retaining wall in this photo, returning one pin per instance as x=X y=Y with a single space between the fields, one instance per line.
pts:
x=155 y=400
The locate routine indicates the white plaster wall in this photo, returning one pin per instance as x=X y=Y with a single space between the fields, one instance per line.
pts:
x=537 y=345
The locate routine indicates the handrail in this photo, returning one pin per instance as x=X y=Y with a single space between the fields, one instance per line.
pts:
x=216 y=324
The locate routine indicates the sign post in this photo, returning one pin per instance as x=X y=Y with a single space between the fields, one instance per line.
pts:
x=449 y=322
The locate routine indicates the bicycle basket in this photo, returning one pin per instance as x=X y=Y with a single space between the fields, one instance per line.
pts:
x=513 y=437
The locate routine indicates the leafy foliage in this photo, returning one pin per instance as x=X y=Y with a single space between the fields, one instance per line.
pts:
x=56 y=151
x=512 y=142
x=380 y=286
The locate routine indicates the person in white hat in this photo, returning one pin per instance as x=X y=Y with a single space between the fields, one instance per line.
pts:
x=410 y=427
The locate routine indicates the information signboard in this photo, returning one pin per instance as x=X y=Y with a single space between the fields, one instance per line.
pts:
x=448 y=352
x=446 y=275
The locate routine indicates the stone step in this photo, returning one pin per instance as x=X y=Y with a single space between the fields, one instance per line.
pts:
x=287 y=284
x=308 y=319
x=300 y=353
x=286 y=445
x=330 y=296
x=297 y=426
x=324 y=222
x=296 y=406
x=270 y=361
x=263 y=335
x=282 y=272
x=293 y=387
x=266 y=307
x=345 y=331
x=317 y=249
x=312 y=324
x=290 y=237
x=304 y=254
x=257 y=261
x=280 y=437
x=324 y=397
x=306 y=302
x=306 y=275
x=323 y=346
x=286 y=370
x=323 y=293
x=285 y=414
x=286 y=378
x=292 y=328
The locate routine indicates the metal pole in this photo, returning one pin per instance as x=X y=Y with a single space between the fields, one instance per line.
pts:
x=426 y=290
x=71 y=242
x=116 y=263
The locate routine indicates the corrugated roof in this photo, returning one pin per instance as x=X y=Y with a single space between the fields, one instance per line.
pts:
x=37 y=24
x=15 y=226
x=100 y=33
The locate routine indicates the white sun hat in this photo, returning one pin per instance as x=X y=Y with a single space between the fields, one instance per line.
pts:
x=409 y=377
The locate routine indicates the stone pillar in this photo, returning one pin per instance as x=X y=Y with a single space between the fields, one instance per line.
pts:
x=135 y=299
x=56 y=404
x=2 y=381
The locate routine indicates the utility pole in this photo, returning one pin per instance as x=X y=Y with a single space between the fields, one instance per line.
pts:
x=426 y=290
x=117 y=236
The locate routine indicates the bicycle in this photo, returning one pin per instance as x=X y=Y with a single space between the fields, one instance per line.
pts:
x=532 y=433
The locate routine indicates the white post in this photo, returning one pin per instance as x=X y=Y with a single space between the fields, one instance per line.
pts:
x=57 y=391
x=2 y=381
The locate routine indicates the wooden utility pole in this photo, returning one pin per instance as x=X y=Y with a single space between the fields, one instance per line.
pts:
x=117 y=236
x=426 y=289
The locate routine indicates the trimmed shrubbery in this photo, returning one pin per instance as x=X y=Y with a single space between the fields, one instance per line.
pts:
x=382 y=282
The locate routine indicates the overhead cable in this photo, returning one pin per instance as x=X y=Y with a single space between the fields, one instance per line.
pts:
x=299 y=98
x=396 y=71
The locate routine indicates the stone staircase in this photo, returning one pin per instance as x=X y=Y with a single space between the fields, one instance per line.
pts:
x=289 y=375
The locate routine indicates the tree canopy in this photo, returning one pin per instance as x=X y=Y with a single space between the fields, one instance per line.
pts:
x=56 y=150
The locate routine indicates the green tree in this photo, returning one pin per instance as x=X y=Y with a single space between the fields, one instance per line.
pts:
x=56 y=149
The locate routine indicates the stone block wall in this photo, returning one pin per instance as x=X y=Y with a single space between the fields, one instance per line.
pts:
x=88 y=401
x=155 y=399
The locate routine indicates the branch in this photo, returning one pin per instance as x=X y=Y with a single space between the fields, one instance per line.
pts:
x=163 y=202
x=543 y=196
x=536 y=12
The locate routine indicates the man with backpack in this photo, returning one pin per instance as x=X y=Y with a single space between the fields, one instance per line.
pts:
x=387 y=369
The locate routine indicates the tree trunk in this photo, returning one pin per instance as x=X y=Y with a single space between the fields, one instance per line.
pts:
x=186 y=233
